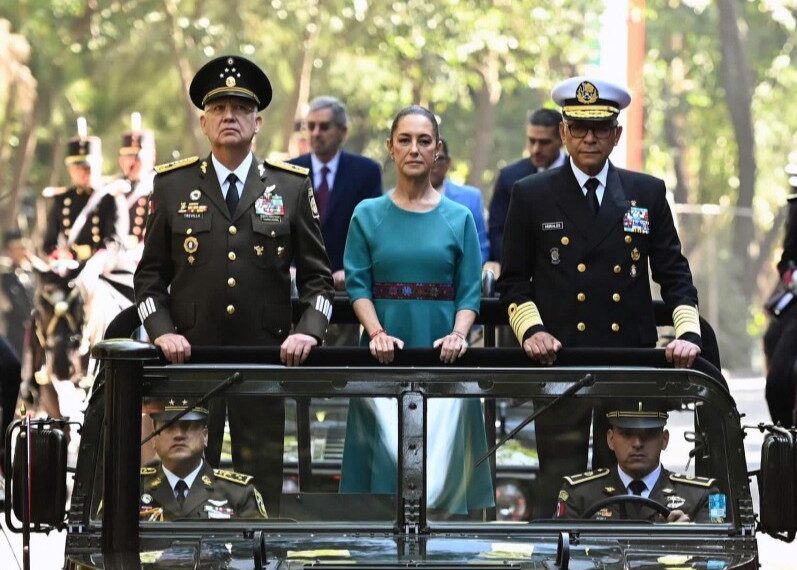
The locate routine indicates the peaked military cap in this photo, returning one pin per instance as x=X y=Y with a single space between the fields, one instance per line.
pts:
x=639 y=415
x=81 y=149
x=590 y=99
x=170 y=408
x=134 y=141
x=230 y=76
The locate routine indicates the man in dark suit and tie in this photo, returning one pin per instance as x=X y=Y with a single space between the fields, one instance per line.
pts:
x=341 y=180
x=544 y=147
x=578 y=244
x=221 y=236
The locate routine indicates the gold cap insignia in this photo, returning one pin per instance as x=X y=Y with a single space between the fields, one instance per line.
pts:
x=587 y=93
x=206 y=480
x=230 y=81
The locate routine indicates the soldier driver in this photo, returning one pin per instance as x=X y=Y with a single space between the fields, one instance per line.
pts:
x=183 y=485
x=637 y=437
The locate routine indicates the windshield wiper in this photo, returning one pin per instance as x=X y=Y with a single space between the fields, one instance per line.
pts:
x=587 y=380
x=236 y=377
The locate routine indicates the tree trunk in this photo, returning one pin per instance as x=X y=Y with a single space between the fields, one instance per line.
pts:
x=186 y=72
x=736 y=79
x=300 y=95
x=486 y=101
x=5 y=148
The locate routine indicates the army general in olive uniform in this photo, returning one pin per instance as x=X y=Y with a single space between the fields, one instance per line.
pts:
x=183 y=485
x=637 y=438
x=221 y=236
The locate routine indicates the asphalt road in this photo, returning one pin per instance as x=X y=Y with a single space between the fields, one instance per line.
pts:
x=47 y=551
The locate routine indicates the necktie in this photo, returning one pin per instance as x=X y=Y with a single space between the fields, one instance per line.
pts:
x=592 y=196
x=322 y=192
x=637 y=486
x=232 y=193
x=181 y=487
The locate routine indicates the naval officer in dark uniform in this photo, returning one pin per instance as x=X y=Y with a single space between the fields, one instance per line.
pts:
x=182 y=485
x=81 y=219
x=578 y=244
x=222 y=234
x=637 y=437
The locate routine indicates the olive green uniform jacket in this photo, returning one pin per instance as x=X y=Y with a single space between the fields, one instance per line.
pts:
x=214 y=494
x=686 y=493
x=221 y=279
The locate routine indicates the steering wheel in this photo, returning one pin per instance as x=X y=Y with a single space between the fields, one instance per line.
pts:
x=621 y=499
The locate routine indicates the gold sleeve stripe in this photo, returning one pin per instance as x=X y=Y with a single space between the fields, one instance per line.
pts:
x=523 y=317
x=686 y=320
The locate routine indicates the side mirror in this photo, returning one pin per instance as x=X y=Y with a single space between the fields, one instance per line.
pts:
x=777 y=484
x=39 y=466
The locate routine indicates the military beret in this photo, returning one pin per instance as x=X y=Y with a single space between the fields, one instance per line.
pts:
x=230 y=76
x=640 y=416
x=590 y=99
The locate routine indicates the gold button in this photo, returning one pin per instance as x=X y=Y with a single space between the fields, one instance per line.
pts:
x=95 y=219
x=231 y=282
x=581 y=267
x=95 y=239
x=136 y=231
x=189 y=231
x=139 y=220
x=628 y=239
x=142 y=201
x=615 y=327
x=273 y=233
x=230 y=309
x=581 y=327
x=617 y=269
x=231 y=256
x=65 y=211
x=616 y=297
x=581 y=297
x=95 y=230
x=67 y=201
x=233 y=230
x=565 y=240
x=67 y=223
x=140 y=211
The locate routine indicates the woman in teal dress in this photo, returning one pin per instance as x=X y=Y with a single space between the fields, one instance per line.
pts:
x=413 y=274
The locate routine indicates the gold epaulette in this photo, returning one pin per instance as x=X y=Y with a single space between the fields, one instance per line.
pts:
x=175 y=164
x=586 y=476
x=233 y=477
x=148 y=471
x=51 y=191
x=288 y=166
x=692 y=480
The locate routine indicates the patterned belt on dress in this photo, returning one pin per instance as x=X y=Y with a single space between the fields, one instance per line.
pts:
x=415 y=291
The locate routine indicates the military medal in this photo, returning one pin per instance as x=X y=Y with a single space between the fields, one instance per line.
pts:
x=259 y=250
x=555 y=260
x=146 y=499
x=633 y=271
x=195 y=194
x=636 y=220
x=635 y=254
x=269 y=206
x=191 y=259
x=313 y=206
x=206 y=480
x=608 y=490
x=269 y=189
x=604 y=513
x=668 y=491
x=191 y=244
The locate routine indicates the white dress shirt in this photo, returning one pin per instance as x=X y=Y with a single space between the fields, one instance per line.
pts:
x=242 y=171
x=582 y=178
x=649 y=480
x=189 y=479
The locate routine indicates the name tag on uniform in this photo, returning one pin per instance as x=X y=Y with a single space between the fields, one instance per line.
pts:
x=636 y=221
x=550 y=226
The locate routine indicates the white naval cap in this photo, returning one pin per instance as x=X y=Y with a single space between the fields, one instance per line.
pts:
x=590 y=99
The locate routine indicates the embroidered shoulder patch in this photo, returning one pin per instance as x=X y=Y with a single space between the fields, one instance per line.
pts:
x=148 y=471
x=175 y=164
x=692 y=480
x=233 y=477
x=288 y=166
x=586 y=476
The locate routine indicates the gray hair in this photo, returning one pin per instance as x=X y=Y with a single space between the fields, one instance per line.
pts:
x=339 y=114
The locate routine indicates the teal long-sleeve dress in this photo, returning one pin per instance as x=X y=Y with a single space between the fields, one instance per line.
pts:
x=418 y=269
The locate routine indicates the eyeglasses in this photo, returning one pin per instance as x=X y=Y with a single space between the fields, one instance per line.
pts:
x=580 y=130
x=322 y=125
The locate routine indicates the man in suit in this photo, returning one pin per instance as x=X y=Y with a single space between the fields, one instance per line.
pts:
x=222 y=234
x=637 y=437
x=468 y=196
x=544 y=147
x=579 y=239
x=341 y=179
x=182 y=485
